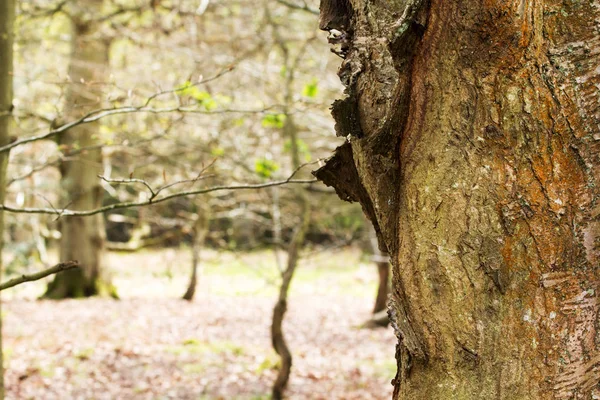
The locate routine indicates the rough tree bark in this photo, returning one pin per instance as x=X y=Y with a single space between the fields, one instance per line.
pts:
x=83 y=239
x=7 y=19
x=473 y=144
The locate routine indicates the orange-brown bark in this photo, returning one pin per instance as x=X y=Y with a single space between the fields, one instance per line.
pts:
x=484 y=190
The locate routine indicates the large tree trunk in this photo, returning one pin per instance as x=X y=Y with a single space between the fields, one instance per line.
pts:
x=474 y=143
x=83 y=238
x=7 y=19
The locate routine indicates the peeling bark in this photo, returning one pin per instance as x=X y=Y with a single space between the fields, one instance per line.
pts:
x=478 y=157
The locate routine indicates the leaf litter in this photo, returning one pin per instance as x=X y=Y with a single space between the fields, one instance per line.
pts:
x=216 y=347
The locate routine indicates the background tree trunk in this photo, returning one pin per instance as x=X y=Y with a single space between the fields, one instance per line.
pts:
x=381 y=260
x=383 y=270
x=293 y=257
x=7 y=19
x=199 y=232
x=83 y=238
x=297 y=242
x=475 y=135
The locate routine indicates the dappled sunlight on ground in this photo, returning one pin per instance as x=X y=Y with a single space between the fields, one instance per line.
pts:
x=151 y=345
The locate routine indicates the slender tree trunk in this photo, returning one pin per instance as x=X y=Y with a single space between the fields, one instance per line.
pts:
x=293 y=256
x=276 y=216
x=200 y=231
x=290 y=132
x=7 y=20
x=383 y=271
x=277 y=337
x=83 y=238
x=475 y=143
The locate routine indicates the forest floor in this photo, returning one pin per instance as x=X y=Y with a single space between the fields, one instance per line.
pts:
x=152 y=345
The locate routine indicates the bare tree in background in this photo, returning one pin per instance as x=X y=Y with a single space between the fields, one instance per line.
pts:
x=199 y=231
x=290 y=132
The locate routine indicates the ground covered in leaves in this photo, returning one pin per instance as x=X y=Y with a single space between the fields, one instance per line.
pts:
x=152 y=345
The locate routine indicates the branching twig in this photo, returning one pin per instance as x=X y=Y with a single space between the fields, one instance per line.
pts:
x=303 y=7
x=39 y=275
x=98 y=114
x=198 y=177
x=117 y=206
x=128 y=181
x=155 y=192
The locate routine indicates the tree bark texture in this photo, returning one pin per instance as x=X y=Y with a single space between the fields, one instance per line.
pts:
x=473 y=142
x=7 y=20
x=83 y=238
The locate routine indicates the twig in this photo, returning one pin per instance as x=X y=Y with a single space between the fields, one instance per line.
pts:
x=117 y=206
x=303 y=7
x=67 y=155
x=39 y=275
x=98 y=114
x=198 y=177
x=154 y=193
x=128 y=181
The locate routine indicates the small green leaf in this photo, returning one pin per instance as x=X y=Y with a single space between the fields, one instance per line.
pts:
x=265 y=167
x=203 y=98
x=273 y=121
x=311 y=89
x=217 y=151
x=185 y=88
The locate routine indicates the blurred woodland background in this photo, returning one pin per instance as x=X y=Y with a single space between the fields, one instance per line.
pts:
x=221 y=108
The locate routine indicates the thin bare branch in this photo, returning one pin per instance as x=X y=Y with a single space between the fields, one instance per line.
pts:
x=128 y=181
x=39 y=275
x=68 y=155
x=303 y=7
x=98 y=114
x=117 y=206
